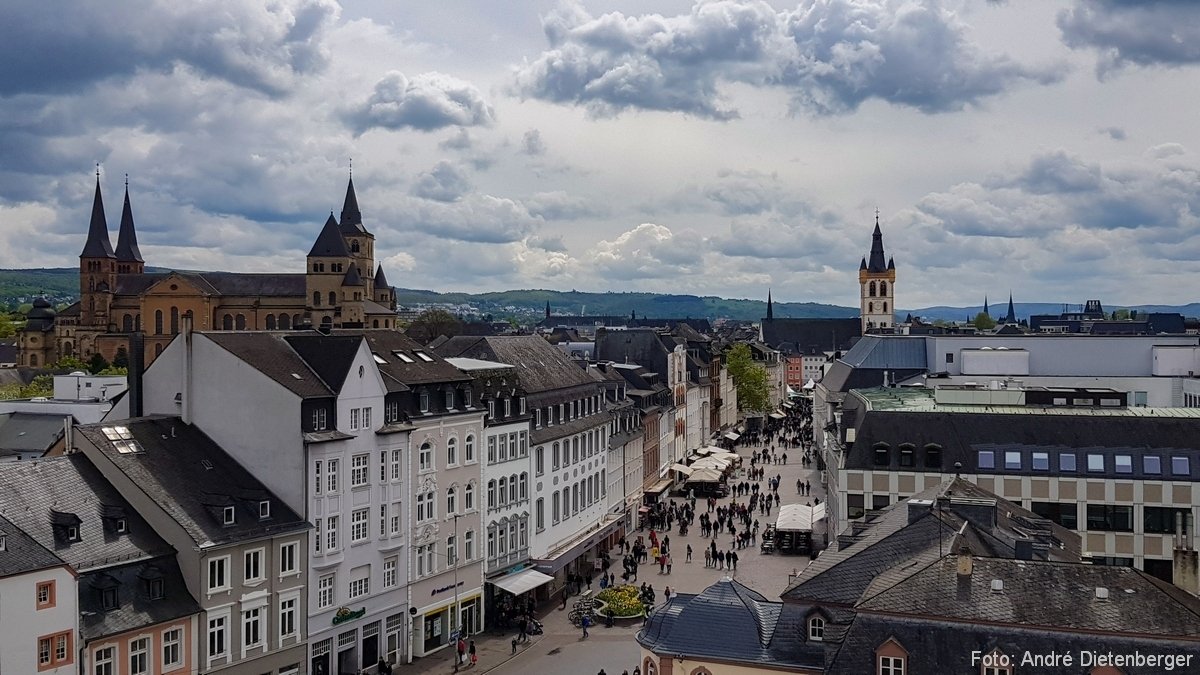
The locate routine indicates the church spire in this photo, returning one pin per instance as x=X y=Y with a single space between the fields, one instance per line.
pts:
x=547 y=309
x=1011 y=317
x=351 y=216
x=877 y=261
x=985 y=306
x=127 y=246
x=98 y=244
x=770 y=306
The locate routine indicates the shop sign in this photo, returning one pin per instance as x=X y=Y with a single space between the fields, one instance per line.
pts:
x=345 y=614
x=443 y=589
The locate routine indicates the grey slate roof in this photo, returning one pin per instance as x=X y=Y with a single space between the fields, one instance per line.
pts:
x=351 y=216
x=127 y=246
x=22 y=432
x=542 y=366
x=888 y=351
x=329 y=243
x=22 y=553
x=329 y=356
x=270 y=355
x=642 y=347
x=729 y=622
x=220 y=283
x=136 y=609
x=31 y=489
x=1047 y=594
x=398 y=374
x=352 y=277
x=803 y=336
x=97 y=244
x=191 y=478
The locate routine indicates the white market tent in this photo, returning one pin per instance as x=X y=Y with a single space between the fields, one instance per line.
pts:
x=704 y=476
x=799 y=516
x=682 y=468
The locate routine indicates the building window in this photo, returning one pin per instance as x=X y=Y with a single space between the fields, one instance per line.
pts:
x=217 y=645
x=539 y=460
x=360 y=587
x=1066 y=461
x=252 y=628
x=287 y=618
x=424 y=401
x=172 y=648
x=331 y=533
x=389 y=572
x=425 y=457
x=1124 y=463
x=491 y=450
x=469 y=497
x=1161 y=519
x=1180 y=466
x=891 y=665
x=158 y=322
x=360 y=466
x=1065 y=514
x=1012 y=460
x=218 y=574
x=55 y=650
x=556 y=463
x=1041 y=461
x=316 y=537
x=907 y=451
x=331 y=475
x=45 y=595
x=503 y=492
x=397 y=457
x=816 y=628
x=539 y=513
x=451 y=551
x=469 y=545
x=1152 y=464
x=1109 y=518
x=325 y=591
x=354 y=419
x=469 y=449
x=358 y=525
x=449 y=399
x=1095 y=463
x=264 y=510
x=524 y=487
x=855 y=506
x=452 y=452
x=491 y=494
x=253 y=567
x=425 y=510
x=287 y=558
x=395 y=519
x=451 y=501
x=987 y=459
x=554 y=506
x=881 y=453
x=320 y=419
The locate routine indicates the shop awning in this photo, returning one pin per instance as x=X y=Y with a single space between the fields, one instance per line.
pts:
x=682 y=468
x=705 y=476
x=577 y=546
x=778 y=416
x=788 y=404
x=799 y=516
x=660 y=486
x=525 y=580
x=705 y=450
x=732 y=435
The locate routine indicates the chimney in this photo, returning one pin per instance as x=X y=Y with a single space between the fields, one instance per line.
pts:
x=1101 y=593
x=997 y=585
x=68 y=439
x=137 y=371
x=1185 y=567
x=185 y=413
x=966 y=565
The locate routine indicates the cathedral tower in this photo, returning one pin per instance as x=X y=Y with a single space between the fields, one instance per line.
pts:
x=877 y=286
x=97 y=268
x=129 y=257
x=359 y=242
x=327 y=263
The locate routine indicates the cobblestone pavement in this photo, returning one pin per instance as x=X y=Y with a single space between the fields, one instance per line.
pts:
x=562 y=651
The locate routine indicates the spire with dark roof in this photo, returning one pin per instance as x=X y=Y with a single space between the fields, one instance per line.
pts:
x=547 y=309
x=877 y=261
x=98 y=244
x=381 y=280
x=985 y=306
x=329 y=243
x=1011 y=317
x=127 y=246
x=351 y=216
x=863 y=264
x=352 y=277
x=770 y=306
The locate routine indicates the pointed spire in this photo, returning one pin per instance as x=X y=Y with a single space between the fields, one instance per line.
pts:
x=863 y=264
x=1011 y=317
x=351 y=216
x=352 y=277
x=770 y=306
x=877 y=261
x=547 y=309
x=985 y=306
x=127 y=246
x=329 y=243
x=98 y=244
x=381 y=282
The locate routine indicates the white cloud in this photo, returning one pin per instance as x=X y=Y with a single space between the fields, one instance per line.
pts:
x=425 y=102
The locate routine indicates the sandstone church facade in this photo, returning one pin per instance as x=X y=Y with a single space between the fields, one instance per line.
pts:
x=341 y=287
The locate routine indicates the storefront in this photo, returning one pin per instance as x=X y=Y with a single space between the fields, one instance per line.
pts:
x=507 y=594
x=582 y=555
x=654 y=493
x=435 y=627
x=357 y=641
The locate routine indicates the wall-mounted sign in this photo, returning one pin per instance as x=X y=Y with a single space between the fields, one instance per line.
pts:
x=346 y=614
x=443 y=589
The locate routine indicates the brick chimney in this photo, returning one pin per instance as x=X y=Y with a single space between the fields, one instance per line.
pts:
x=965 y=564
x=1185 y=565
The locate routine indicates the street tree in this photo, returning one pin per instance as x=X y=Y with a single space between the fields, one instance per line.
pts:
x=750 y=378
x=431 y=323
x=984 y=321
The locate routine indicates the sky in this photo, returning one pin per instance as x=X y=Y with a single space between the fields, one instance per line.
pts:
x=1047 y=149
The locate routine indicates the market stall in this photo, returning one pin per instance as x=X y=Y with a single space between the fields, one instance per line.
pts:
x=798 y=528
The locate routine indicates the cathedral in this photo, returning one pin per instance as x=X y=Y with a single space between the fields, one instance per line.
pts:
x=877 y=287
x=341 y=287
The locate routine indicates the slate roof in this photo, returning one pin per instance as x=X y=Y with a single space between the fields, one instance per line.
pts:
x=329 y=243
x=23 y=432
x=192 y=479
x=31 y=489
x=751 y=628
x=398 y=374
x=888 y=351
x=329 y=356
x=127 y=246
x=542 y=366
x=22 y=553
x=136 y=609
x=875 y=262
x=351 y=216
x=270 y=355
x=380 y=279
x=1047 y=594
x=641 y=347
x=220 y=283
x=352 y=277
x=8 y=352
x=804 y=336
x=97 y=244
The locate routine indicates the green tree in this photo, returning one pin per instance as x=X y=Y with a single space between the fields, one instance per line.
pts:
x=42 y=385
x=97 y=363
x=6 y=325
x=69 y=363
x=114 y=370
x=121 y=360
x=750 y=378
x=1121 y=314
x=431 y=323
x=984 y=321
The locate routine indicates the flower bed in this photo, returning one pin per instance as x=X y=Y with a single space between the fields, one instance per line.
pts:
x=622 y=600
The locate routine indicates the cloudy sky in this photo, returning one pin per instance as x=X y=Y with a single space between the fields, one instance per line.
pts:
x=715 y=147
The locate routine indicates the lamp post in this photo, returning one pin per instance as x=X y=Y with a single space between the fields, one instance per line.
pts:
x=457 y=610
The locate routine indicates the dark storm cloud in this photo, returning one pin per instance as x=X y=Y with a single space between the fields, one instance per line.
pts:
x=532 y=143
x=61 y=46
x=830 y=55
x=1115 y=133
x=426 y=102
x=1125 y=32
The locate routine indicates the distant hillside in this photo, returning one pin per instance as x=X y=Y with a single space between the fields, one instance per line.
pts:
x=1025 y=309
x=533 y=303
x=17 y=286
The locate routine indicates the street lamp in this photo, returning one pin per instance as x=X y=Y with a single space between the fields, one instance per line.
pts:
x=457 y=616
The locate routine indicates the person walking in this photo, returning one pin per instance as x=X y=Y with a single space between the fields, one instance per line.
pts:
x=689 y=553
x=461 y=649
x=707 y=558
x=585 y=622
x=474 y=656
x=668 y=558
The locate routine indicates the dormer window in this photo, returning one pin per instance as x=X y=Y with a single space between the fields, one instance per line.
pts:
x=449 y=399
x=816 y=628
x=491 y=408
x=121 y=525
x=466 y=395
x=108 y=599
x=66 y=526
x=521 y=403
x=881 y=453
x=264 y=509
x=507 y=407
x=228 y=515
x=73 y=533
x=424 y=401
x=155 y=588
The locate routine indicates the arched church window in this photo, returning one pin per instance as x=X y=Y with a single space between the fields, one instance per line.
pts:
x=883 y=288
x=870 y=308
x=332 y=298
x=227 y=322
x=285 y=322
x=68 y=349
x=270 y=322
x=127 y=323
x=295 y=320
x=375 y=323
x=33 y=360
x=871 y=289
x=240 y=322
x=354 y=246
x=158 y=322
x=885 y=308
x=316 y=298
x=174 y=320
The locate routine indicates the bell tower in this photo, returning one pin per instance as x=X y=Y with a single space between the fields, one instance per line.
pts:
x=877 y=286
x=97 y=267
